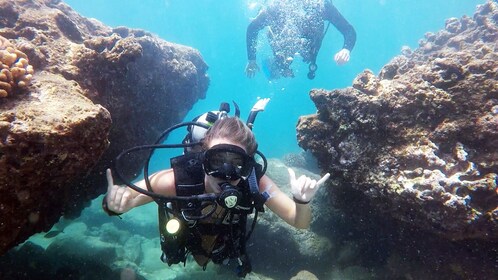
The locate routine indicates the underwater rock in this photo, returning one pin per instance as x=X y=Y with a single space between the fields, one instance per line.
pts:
x=304 y=160
x=420 y=139
x=70 y=258
x=294 y=249
x=56 y=138
x=304 y=275
x=48 y=137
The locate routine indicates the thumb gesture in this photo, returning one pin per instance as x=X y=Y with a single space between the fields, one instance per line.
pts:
x=304 y=188
x=118 y=198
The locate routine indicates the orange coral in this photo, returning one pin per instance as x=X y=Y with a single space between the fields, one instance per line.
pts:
x=15 y=70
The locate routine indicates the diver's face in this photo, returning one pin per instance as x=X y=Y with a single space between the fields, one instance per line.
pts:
x=212 y=183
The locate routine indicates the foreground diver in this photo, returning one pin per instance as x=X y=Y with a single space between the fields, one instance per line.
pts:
x=226 y=168
x=296 y=26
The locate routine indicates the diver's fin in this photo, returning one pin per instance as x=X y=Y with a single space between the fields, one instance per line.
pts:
x=270 y=69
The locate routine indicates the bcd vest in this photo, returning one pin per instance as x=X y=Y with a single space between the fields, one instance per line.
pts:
x=230 y=229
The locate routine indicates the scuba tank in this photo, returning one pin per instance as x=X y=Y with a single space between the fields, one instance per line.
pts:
x=196 y=133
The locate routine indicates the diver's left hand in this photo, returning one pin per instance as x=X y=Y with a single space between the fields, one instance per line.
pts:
x=342 y=57
x=304 y=188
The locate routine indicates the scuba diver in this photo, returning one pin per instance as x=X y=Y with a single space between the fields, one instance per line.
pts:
x=296 y=27
x=205 y=198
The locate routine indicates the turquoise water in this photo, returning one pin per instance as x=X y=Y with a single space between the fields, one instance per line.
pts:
x=217 y=29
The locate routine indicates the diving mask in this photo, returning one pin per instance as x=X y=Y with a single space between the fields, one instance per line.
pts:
x=227 y=162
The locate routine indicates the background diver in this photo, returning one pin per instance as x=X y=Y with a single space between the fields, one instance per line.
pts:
x=225 y=168
x=296 y=27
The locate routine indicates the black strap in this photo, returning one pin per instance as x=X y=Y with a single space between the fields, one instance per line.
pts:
x=316 y=48
x=189 y=174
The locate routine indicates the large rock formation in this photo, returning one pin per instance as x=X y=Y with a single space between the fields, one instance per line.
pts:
x=56 y=137
x=420 y=139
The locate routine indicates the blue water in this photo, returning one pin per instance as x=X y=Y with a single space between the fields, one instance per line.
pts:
x=217 y=29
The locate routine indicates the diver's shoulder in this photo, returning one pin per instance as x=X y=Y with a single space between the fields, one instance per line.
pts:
x=164 y=179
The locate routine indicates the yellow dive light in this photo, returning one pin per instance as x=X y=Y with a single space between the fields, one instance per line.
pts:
x=172 y=226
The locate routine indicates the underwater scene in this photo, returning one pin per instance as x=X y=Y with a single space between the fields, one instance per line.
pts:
x=249 y=139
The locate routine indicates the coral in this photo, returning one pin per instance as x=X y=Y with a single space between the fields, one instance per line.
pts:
x=367 y=82
x=453 y=186
x=419 y=139
x=16 y=72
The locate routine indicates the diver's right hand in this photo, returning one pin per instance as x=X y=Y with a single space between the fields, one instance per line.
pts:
x=119 y=199
x=304 y=188
x=251 y=68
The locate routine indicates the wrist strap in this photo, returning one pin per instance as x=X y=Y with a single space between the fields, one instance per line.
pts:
x=298 y=201
x=106 y=209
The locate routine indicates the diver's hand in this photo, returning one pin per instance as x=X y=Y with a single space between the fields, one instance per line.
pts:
x=304 y=188
x=251 y=68
x=118 y=198
x=342 y=57
x=260 y=104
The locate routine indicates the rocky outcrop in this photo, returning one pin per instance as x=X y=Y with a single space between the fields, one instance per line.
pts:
x=56 y=137
x=420 y=139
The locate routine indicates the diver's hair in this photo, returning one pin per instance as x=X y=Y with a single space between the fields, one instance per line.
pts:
x=233 y=129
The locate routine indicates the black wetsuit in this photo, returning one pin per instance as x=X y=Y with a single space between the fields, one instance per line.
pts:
x=310 y=32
